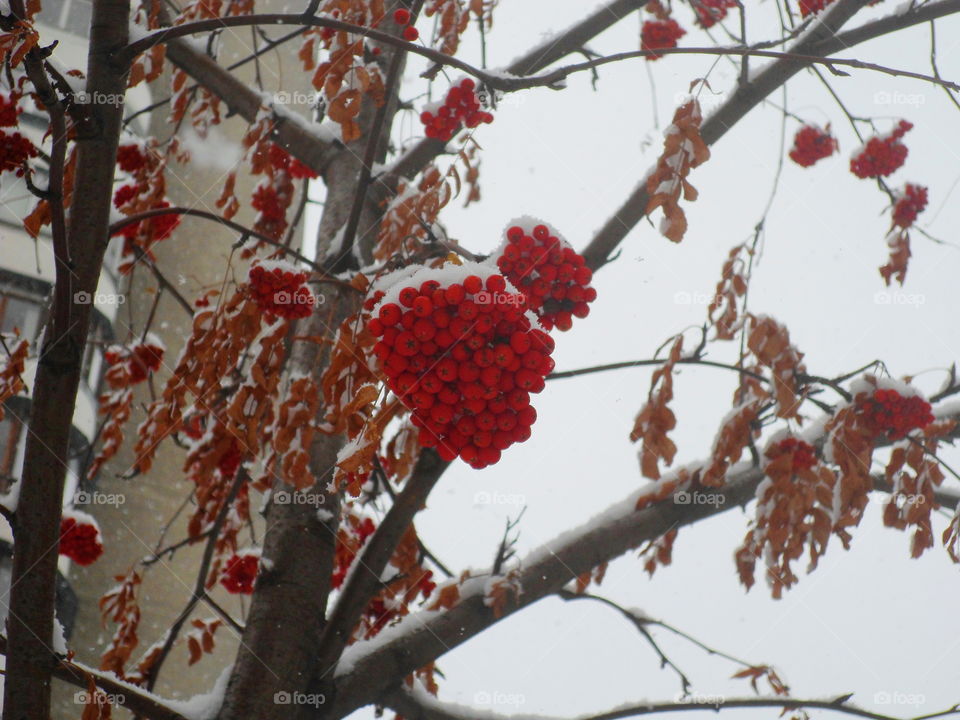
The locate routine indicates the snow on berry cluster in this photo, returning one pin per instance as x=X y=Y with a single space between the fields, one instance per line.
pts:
x=15 y=149
x=80 y=538
x=280 y=159
x=887 y=412
x=134 y=362
x=710 y=12
x=804 y=455
x=131 y=157
x=552 y=275
x=911 y=201
x=810 y=7
x=811 y=144
x=660 y=35
x=240 y=572
x=461 y=106
x=279 y=288
x=457 y=347
x=882 y=155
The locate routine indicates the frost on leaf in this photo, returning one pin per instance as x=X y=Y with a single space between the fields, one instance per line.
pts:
x=656 y=419
x=793 y=515
x=683 y=150
x=914 y=475
x=119 y=605
x=769 y=341
x=502 y=593
x=734 y=436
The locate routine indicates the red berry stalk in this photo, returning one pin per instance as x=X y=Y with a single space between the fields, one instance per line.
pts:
x=80 y=538
x=811 y=144
x=240 y=573
x=660 y=35
x=882 y=155
x=551 y=274
x=460 y=107
x=886 y=412
x=279 y=289
x=911 y=201
x=457 y=346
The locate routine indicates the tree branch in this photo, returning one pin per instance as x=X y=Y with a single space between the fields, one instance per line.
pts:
x=364 y=581
x=821 y=40
x=419 y=706
x=370 y=668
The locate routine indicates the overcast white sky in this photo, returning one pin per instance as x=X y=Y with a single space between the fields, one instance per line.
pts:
x=867 y=621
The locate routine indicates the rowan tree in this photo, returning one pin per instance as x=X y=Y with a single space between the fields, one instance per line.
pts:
x=350 y=379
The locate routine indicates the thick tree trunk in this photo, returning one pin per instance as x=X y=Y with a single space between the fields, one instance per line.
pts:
x=30 y=620
x=274 y=671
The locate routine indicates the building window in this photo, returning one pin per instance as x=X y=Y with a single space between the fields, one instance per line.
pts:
x=17 y=312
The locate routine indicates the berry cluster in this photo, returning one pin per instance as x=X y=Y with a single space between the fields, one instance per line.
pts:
x=15 y=150
x=240 y=572
x=811 y=144
x=804 y=454
x=910 y=203
x=138 y=360
x=80 y=537
x=465 y=358
x=130 y=158
x=552 y=275
x=710 y=12
x=882 y=155
x=8 y=110
x=887 y=412
x=401 y=16
x=460 y=106
x=280 y=291
x=809 y=7
x=660 y=35
x=280 y=159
